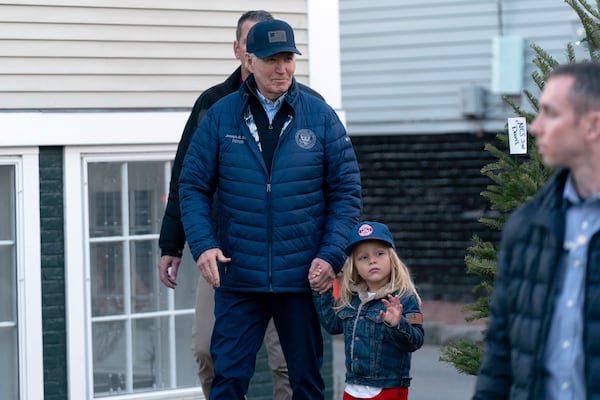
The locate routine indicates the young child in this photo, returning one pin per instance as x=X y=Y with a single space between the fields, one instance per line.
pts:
x=378 y=311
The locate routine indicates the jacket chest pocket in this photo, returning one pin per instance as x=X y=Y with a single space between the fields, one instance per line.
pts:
x=373 y=326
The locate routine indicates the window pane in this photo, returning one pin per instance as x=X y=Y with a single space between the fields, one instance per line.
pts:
x=152 y=339
x=9 y=378
x=7 y=202
x=151 y=354
x=146 y=189
x=8 y=286
x=104 y=180
x=148 y=293
x=134 y=351
x=186 y=366
x=106 y=266
x=110 y=355
x=187 y=282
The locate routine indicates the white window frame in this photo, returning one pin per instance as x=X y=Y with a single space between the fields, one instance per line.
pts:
x=83 y=131
x=77 y=264
x=28 y=248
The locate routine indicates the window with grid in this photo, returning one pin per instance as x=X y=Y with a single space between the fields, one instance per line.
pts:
x=9 y=334
x=140 y=331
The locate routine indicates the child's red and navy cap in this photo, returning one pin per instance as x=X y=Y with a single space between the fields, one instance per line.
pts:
x=368 y=230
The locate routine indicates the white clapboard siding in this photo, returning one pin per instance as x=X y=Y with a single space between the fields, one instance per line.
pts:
x=89 y=54
x=404 y=63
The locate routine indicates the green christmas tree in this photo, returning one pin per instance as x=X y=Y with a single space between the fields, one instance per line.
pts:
x=515 y=179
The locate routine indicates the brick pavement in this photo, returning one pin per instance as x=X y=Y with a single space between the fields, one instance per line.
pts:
x=445 y=322
x=445 y=312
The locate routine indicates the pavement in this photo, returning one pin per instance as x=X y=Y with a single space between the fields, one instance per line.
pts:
x=445 y=321
x=432 y=379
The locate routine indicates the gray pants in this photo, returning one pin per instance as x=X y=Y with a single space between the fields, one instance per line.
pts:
x=204 y=320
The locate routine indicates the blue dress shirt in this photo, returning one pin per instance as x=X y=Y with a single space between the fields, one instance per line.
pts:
x=564 y=358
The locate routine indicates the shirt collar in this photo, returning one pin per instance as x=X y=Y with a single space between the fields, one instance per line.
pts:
x=570 y=196
x=268 y=103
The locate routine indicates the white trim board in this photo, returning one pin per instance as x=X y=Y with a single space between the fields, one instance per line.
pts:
x=91 y=128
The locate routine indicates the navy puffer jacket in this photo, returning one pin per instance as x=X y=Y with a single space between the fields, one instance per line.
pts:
x=273 y=226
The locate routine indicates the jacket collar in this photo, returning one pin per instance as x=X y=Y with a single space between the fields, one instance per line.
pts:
x=362 y=291
x=249 y=87
x=234 y=81
x=548 y=205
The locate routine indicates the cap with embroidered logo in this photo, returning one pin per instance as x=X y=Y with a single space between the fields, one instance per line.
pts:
x=368 y=230
x=271 y=37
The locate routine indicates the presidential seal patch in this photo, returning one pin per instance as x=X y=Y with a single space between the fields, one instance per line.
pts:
x=306 y=138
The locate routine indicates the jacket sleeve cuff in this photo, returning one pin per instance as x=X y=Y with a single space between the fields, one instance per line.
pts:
x=171 y=252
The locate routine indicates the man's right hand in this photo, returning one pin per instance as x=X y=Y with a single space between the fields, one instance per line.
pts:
x=167 y=270
x=207 y=264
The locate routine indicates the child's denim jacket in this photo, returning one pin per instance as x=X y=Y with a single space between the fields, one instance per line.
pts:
x=377 y=354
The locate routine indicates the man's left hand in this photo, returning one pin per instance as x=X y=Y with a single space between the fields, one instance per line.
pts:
x=321 y=275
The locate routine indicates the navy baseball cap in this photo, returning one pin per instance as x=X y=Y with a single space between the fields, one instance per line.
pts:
x=271 y=37
x=368 y=230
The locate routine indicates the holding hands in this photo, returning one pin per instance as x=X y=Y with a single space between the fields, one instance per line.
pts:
x=320 y=275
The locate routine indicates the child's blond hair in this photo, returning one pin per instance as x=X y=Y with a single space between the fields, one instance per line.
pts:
x=400 y=279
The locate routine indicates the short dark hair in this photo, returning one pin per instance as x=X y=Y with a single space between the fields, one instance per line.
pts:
x=585 y=90
x=252 y=15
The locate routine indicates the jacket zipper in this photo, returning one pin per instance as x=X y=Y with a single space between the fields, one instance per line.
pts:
x=269 y=214
x=269 y=236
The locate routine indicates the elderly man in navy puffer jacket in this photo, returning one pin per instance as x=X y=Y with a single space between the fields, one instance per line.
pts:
x=288 y=195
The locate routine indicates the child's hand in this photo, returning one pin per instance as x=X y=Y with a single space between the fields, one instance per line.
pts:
x=393 y=310
x=320 y=275
x=313 y=275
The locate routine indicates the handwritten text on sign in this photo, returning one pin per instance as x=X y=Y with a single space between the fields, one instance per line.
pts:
x=517 y=131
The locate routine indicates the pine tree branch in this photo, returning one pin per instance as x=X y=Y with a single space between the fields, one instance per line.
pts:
x=514 y=180
x=463 y=355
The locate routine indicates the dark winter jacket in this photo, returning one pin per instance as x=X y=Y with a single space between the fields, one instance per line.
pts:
x=271 y=225
x=172 y=235
x=377 y=354
x=523 y=298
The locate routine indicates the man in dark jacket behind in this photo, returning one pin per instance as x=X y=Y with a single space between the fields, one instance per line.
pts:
x=543 y=339
x=172 y=236
x=288 y=194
